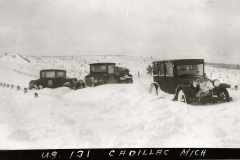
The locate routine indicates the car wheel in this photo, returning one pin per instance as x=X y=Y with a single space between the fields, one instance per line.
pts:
x=223 y=93
x=68 y=84
x=153 y=89
x=34 y=87
x=182 y=97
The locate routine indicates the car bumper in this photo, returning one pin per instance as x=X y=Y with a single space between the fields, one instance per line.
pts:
x=207 y=100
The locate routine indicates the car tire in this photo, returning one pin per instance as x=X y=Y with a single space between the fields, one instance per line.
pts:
x=33 y=87
x=182 y=97
x=223 y=93
x=153 y=89
x=68 y=84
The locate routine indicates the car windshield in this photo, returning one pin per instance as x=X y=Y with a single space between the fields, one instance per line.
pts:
x=60 y=74
x=99 y=68
x=196 y=69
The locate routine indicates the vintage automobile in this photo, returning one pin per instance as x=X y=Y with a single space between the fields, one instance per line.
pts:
x=107 y=73
x=52 y=78
x=186 y=79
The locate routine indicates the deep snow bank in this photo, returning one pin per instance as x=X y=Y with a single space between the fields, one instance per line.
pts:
x=14 y=58
x=121 y=115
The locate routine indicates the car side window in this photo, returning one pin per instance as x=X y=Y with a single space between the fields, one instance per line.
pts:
x=169 y=69
x=155 y=68
x=43 y=74
x=50 y=74
x=110 y=68
x=60 y=74
x=161 y=69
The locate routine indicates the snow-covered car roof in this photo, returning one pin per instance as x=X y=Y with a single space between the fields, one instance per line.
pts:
x=52 y=70
x=101 y=63
x=182 y=61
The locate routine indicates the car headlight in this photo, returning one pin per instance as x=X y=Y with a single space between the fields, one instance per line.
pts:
x=81 y=81
x=195 y=84
x=216 y=83
x=96 y=81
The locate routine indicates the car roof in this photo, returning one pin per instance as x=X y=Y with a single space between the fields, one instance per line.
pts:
x=122 y=67
x=101 y=63
x=52 y=70
x=180 y=60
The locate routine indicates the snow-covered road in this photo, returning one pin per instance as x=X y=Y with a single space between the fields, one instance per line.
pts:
x=118 y=115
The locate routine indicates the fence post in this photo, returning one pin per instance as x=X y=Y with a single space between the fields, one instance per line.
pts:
x=25 y=90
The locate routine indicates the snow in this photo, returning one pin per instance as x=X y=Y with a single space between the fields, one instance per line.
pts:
x=14 y=58
x=115 y=115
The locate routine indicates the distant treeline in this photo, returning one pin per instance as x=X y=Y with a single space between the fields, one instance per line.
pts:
x=223 y=65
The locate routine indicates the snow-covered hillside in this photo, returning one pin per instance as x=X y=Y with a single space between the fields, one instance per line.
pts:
x=117 y=115
x=14 y=58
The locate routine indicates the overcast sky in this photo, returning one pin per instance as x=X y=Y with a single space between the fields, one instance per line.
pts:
x=163 y=29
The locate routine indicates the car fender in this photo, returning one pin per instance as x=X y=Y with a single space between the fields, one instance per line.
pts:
x=79 y=84
x=155 y=84
x=67 y=84
x=33 y=86
x=32 y=82
x=187 y=90
x=224 y=85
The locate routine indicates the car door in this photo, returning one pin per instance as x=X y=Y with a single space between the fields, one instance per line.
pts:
x=169 y=78
x=60 y=76
x=111 y=74
x=161 y=76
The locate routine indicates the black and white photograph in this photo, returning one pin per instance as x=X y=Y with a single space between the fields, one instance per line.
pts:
x=119 y=74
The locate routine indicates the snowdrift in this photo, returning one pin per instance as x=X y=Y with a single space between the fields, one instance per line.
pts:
x=117 y=115
x=14 y=58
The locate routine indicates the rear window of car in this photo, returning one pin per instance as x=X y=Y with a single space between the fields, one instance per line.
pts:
x=50 y=74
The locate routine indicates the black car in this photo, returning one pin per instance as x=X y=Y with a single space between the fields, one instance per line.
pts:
x=185 y=78
x=52 y=78
x=107 y=73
